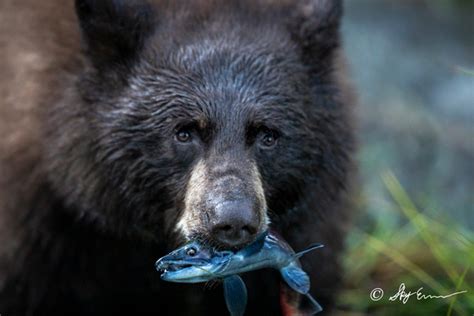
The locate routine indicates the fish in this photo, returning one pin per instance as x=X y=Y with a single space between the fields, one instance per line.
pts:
x=196 y=263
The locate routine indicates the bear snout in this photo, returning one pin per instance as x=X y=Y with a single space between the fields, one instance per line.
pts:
x=234 y=223
x=226 y=206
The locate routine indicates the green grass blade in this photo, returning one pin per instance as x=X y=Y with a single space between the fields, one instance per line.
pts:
x=417 y=219
x=458 y=287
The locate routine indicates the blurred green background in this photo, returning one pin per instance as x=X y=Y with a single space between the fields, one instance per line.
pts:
x=412 y=62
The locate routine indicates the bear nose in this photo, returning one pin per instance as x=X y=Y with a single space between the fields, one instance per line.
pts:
x=236 y=223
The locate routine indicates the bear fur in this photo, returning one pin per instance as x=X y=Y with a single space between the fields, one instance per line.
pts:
x=94 y=187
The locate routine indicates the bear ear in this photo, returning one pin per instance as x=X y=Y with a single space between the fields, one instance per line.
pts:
x=114 y=31
x=314 y=25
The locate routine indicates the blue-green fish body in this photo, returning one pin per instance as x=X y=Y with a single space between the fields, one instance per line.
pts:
x=194 y=263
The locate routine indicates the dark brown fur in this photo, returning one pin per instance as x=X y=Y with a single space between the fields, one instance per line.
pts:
x=82 y=214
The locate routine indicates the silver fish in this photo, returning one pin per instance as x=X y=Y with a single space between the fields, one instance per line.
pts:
x=195 y=263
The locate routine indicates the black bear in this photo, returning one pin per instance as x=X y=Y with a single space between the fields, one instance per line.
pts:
x=129 y=127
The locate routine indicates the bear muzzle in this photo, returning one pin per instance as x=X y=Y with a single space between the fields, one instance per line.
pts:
x=226 y=207
x=234 y=223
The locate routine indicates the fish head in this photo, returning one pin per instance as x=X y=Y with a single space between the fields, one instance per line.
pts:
x=192 y=253
x=192 y=263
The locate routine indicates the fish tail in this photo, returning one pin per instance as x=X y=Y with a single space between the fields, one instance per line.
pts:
x=316 y=307
x=310 y=248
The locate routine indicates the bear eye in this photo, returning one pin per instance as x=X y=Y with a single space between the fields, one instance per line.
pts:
x=183 y=135
x=191 y=252
x=268 y=139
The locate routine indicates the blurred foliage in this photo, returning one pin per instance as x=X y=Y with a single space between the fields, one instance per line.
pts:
x=412 y=63
x=420 y=251
x=455 y=3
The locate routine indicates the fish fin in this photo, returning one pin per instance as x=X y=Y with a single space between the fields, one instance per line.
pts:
x=256 y=246
x=296 y=278
x=310 y=248
x=316 y=308
x=235 y=294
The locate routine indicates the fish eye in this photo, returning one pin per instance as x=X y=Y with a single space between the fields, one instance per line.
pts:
x=191 y=252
